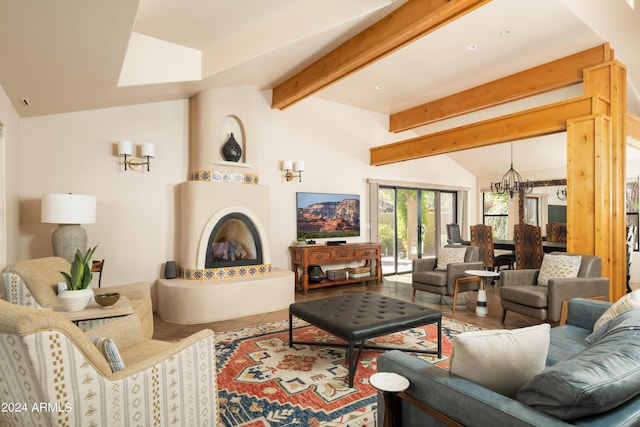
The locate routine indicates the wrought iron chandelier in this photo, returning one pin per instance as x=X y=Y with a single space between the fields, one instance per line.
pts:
x=512 y=182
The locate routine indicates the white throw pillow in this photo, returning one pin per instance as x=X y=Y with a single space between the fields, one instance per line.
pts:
x=450 y=255
x=501 y=360
x=558 y=266
x=630 y=301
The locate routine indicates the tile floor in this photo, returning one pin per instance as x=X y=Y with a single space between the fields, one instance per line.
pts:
x=465 y=310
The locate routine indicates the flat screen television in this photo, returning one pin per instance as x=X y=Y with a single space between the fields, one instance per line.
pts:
x=324 y=215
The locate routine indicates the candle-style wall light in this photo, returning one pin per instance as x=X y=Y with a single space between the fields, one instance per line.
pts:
x=125 y=149
x=293 y=169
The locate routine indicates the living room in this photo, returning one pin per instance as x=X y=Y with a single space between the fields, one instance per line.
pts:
x=138 y=220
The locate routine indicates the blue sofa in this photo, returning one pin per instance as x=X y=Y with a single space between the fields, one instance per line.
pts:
x=443 y=396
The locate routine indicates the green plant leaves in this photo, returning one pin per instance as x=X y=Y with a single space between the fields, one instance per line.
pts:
x=80 y=274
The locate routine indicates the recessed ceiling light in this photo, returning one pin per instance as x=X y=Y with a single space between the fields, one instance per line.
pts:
x=472 y=46
x=379 y=87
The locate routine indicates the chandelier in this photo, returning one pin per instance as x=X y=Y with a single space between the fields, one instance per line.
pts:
x=512 y=182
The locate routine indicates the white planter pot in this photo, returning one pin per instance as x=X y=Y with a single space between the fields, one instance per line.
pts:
x=75 y=300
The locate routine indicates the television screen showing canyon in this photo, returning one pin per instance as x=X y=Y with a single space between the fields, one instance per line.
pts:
x=321 y=215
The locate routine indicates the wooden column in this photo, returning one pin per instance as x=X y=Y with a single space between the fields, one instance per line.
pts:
x=596 y=147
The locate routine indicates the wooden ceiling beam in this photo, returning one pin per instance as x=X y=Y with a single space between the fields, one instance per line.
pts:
x=543 y=78
x=406 y=24
x=538 y=121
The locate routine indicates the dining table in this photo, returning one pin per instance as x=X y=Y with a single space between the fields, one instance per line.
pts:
x=509 y=245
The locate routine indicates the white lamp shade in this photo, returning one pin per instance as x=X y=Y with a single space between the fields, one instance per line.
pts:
x=148 y=149
x=68 y=209
x=125 y=148
x=299 y=166
x=287 y=164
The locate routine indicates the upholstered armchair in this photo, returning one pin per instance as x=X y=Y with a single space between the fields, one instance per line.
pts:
x=428 y=276
x=46 y=360
x=521 y=291
x=34 y=283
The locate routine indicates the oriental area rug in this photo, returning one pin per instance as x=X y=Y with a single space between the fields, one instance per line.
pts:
x=262 y=382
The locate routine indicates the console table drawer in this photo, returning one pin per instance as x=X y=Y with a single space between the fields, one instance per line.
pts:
x=367 y=253
x=344 y=254
x=319 y=256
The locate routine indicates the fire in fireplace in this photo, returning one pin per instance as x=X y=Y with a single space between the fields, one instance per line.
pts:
x=234 y=241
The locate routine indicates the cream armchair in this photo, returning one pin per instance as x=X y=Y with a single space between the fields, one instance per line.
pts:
x=34 y=283
x=46 y=360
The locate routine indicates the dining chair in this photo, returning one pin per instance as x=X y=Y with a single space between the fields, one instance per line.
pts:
x=557 y=232
x=528 y=246
x=453 y=235
x=97 y=267
x=482 y=238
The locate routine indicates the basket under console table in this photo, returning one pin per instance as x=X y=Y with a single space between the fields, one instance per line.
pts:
x=302 y=256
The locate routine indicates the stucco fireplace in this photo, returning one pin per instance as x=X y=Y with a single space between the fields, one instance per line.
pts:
x=224 y=258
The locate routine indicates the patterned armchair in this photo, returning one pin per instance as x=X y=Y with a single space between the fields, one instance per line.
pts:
x=47 y=362
x=34 y=283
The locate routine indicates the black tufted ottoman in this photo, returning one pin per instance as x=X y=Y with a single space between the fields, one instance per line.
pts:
x=358 y=317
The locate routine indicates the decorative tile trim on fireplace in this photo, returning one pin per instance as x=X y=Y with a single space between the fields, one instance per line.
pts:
x=226 y=177
x=225 y=272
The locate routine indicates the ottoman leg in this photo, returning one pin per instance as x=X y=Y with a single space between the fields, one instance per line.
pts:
x=290 y=329
x=352 y=360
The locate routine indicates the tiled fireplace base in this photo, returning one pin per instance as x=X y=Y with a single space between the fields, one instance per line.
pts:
x=192 y=301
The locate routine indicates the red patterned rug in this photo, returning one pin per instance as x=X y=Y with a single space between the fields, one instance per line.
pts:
x=263 y=382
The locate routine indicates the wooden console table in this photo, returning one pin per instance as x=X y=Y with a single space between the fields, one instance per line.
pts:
x=302 y=256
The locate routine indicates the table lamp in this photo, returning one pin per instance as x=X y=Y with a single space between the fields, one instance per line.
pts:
x=68 y=211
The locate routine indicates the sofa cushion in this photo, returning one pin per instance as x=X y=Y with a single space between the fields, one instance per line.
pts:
x=531 y=296
x=598 y=379
x=500 y=360
x=558 y=266
x=450 y=255
x=566 y=341
x=630 y=301
x=435 y=278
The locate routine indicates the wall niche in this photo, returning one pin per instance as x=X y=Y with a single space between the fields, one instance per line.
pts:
x=231 y=140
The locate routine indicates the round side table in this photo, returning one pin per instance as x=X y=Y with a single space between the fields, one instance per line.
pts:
x=390 y=384
x=481 y=306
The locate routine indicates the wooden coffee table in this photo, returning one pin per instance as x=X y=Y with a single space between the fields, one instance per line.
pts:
x=94 y=311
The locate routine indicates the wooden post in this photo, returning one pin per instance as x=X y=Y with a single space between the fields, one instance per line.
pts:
x=596 y=147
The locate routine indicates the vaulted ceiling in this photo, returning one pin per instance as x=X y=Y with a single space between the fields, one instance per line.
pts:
x=71 y=55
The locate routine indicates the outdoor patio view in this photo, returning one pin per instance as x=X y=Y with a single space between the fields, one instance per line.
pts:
x=411 y=225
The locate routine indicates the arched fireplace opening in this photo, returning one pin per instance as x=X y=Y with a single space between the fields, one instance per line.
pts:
x=234 y=241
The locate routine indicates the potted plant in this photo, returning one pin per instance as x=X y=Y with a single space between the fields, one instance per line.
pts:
x=77 y=294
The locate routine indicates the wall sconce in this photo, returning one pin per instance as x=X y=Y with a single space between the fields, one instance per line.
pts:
x=561 y=193
x=125 y=148
x=290 y=167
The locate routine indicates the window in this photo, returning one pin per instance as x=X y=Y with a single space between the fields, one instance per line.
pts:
x=495 y=212
x=531 y=216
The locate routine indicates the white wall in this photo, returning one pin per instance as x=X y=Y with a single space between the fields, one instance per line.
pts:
x=136 y=212
x=76 y=153
x=10 y=176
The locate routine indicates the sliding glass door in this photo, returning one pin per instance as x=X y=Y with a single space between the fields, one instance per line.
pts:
x=411 y=222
